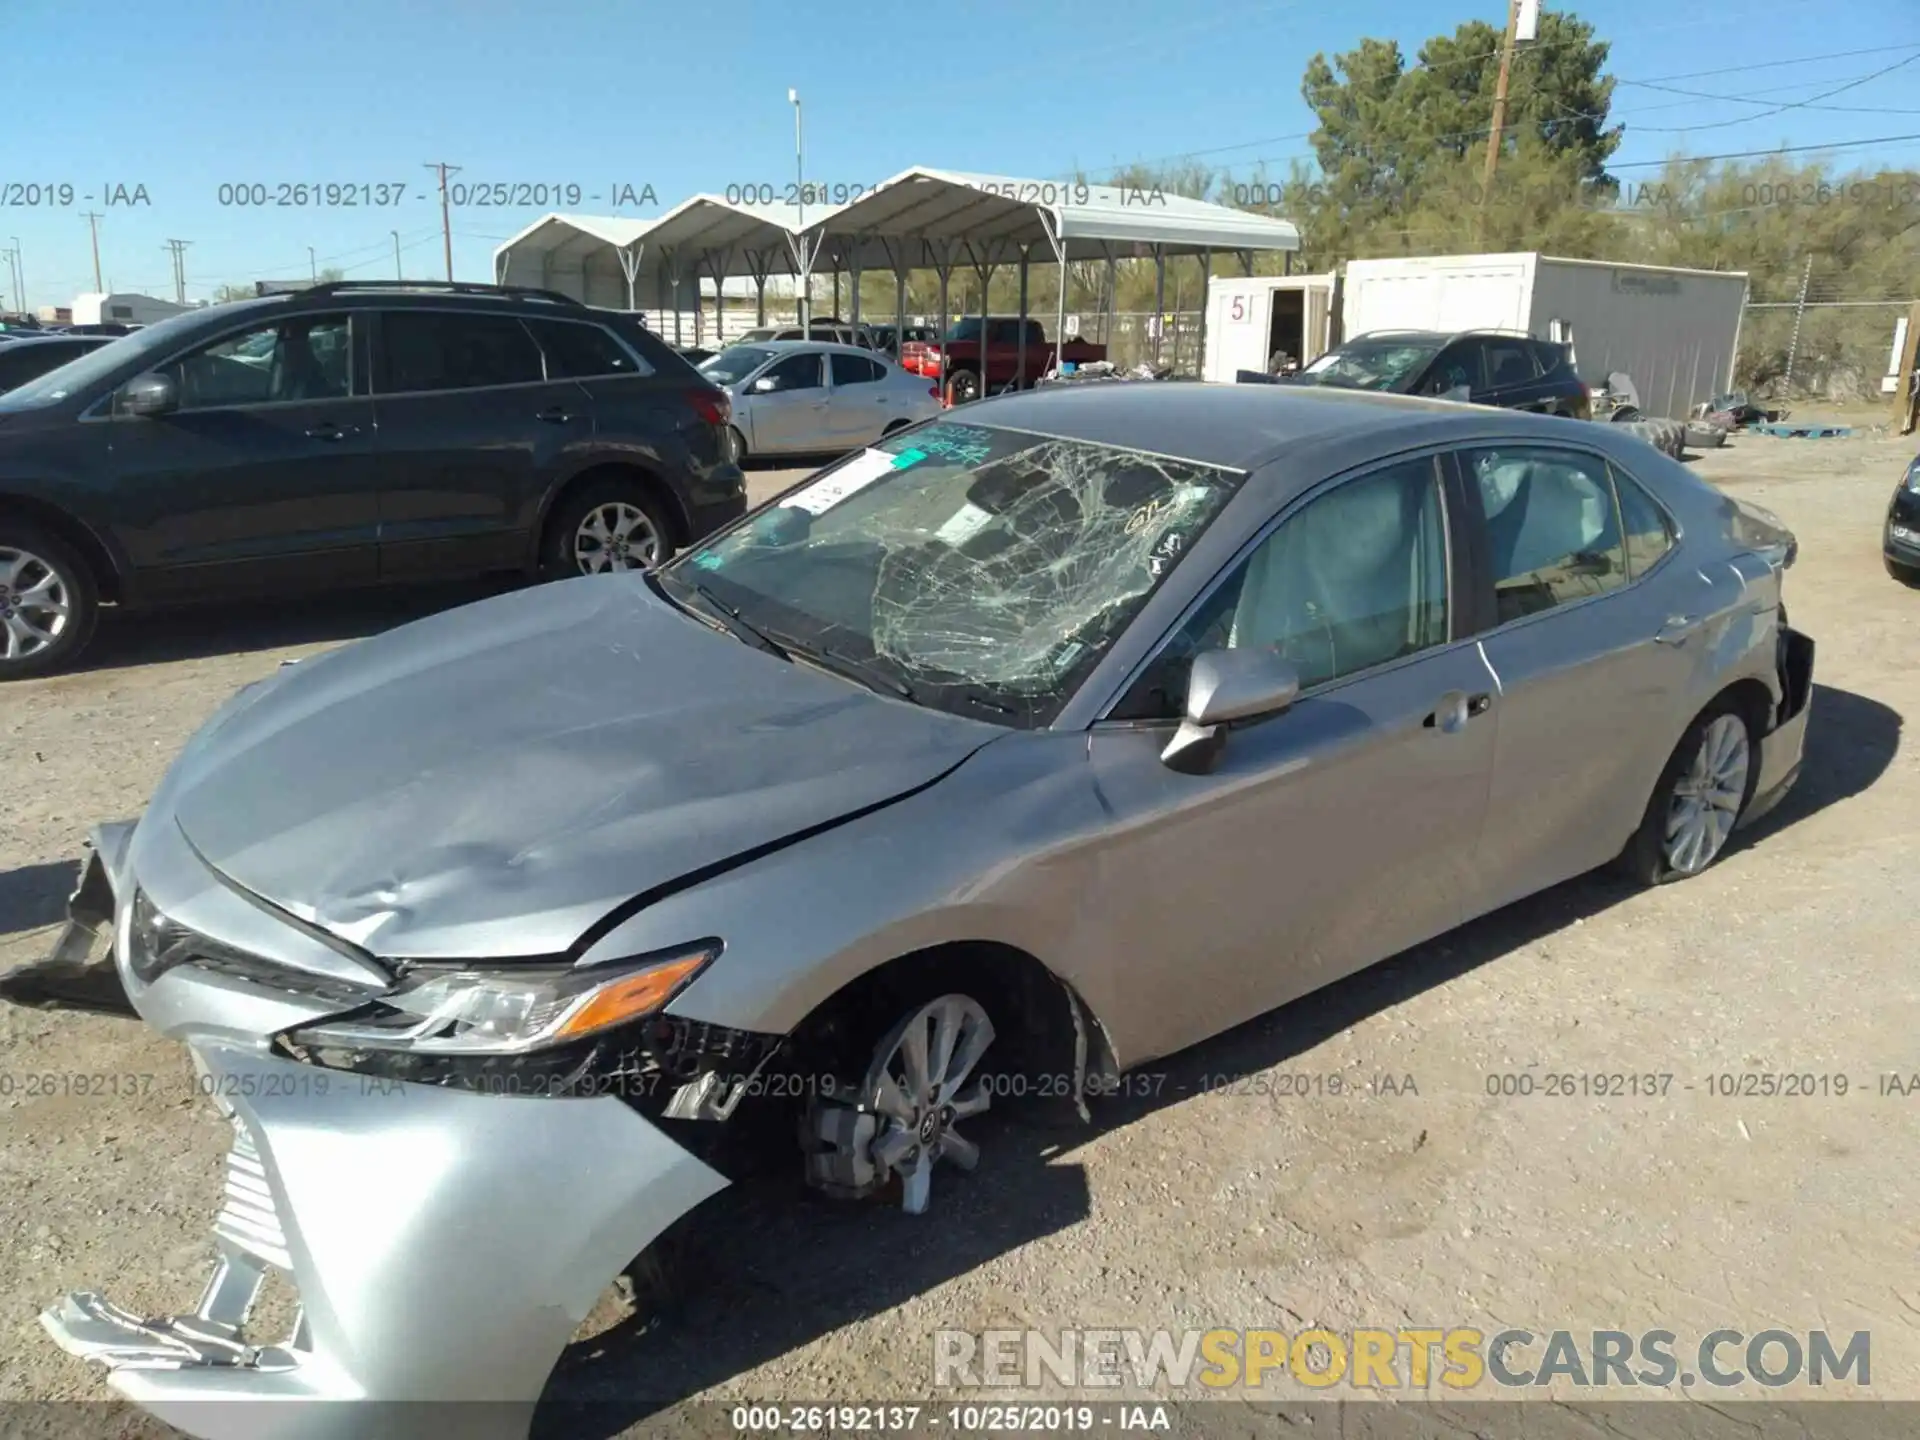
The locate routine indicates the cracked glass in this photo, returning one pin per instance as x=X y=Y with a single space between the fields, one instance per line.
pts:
x=973 y=568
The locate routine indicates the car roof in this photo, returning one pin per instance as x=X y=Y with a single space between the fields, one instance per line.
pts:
x=830 y=346
x=1242 y=427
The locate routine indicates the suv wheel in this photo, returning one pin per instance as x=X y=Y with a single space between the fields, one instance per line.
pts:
x=607 y=527
x=48 y=601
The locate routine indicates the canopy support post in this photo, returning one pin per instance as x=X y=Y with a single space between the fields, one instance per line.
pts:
x=630 y=266
x=1159 y=297
x=1020 y=374
x=670 y=261
x=943 y=266
x=1107 y=312
x=1246 y=263
x=1050 y=224
x=1206 y=282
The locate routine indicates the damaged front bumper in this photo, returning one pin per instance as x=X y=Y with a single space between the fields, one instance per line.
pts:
x=442 y=1245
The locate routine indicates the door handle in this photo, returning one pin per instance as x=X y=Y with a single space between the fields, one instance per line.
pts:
x=1455 y=709
x=1677 y=629
x=1478 y=705
x=327 y=430
x=555 y=415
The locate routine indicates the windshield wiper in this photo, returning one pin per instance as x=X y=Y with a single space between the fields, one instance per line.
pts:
x=866 y=673
x=730 y=619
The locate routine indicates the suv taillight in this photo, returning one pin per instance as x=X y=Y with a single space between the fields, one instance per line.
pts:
x=712 y=406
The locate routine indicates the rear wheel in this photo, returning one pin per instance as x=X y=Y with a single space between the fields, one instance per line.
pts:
x=962 y=386
x=48 y=601
x=1699 y=799
x=609 y=526
x=736 y=445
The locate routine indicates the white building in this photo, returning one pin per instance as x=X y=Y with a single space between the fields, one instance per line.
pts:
x=122 y=309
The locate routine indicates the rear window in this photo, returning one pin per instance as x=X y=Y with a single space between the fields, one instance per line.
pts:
x=1550 y=356
x=581 y=352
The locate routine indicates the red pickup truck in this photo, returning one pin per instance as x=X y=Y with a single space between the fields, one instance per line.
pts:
x=961 y=351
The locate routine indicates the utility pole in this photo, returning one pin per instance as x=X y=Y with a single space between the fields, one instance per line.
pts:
x=396 y=255
x=800 y=217
x=446 y=215
x=93 y=223
x=313 y=266
x=19 y=275
x=179 y=249
x=13 y=283
x=1522 y=21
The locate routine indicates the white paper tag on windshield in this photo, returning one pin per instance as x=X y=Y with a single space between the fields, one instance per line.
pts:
x=967 y=522
x=854 y=476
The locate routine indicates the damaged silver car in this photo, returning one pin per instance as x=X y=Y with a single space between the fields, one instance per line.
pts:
x=1036 y=746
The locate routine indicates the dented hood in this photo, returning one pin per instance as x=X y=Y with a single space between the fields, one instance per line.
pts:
x=489 y=782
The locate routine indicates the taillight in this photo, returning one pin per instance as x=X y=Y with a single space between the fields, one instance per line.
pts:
x=713 y=406
x=933 y=391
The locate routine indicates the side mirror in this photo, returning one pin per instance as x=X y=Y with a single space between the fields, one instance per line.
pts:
x=1459 y=392
x=1224 y=686
x=765 y=385
x=149 y=394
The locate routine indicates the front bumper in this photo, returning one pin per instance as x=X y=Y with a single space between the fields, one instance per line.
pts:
x=443 y=1246
x=1783 y=749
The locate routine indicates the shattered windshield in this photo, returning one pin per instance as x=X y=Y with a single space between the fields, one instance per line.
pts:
x=973 y=568
x=1371 y=365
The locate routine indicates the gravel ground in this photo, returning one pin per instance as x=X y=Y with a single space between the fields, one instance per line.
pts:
x=1413 y=1197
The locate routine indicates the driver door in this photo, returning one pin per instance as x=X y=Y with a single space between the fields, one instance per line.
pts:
x=793 y=415
x=1333 y=834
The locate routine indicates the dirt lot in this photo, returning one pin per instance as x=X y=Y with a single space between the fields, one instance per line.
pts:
x=1439 y=1205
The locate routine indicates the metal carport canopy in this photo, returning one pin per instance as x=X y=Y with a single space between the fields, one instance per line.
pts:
x=558 y=252
x=937 y=219
x=925 y=208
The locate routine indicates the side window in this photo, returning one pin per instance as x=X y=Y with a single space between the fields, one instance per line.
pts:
x=1548 y=356
x=450 y=350
x=1455 y=366
x=1355 y=579
x=309 y=357
x=1509 y=362
x=1552 y=530
x=581 y=352
x=796 y=372
x=1649 y=536
x=854 y=370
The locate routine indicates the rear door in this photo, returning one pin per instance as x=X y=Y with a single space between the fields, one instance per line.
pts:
x=1512 y=373
x=471 y=431
x=858 y=406
x=263 y=479
x=1580 y=584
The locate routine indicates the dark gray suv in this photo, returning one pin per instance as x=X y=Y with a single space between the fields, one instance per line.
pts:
x=344 y=435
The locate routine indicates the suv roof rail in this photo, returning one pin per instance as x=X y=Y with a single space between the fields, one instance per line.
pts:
x=445 y=287
x=1505 y=330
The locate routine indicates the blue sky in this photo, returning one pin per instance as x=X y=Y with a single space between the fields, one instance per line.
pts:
x=184 y=97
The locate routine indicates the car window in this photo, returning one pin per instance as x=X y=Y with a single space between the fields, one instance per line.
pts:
x=796 y=372
x=1552 y=528
x=19 y=363
x=451 y=350
x=581 y=352
x=1509 y=362
x=854 y=370
x=1456 y=366
x=1649 y=536
x=1356 y=578
x=307 y=357
x=1549 y=356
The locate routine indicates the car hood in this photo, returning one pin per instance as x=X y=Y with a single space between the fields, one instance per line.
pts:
x=489 y=782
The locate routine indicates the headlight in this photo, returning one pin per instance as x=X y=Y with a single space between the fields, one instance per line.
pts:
x=447 y=1010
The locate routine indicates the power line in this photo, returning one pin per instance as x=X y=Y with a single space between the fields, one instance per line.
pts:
x=1790 y=105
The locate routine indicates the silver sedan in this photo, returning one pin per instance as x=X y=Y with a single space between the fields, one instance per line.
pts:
x=806 y=397
x=994 y=760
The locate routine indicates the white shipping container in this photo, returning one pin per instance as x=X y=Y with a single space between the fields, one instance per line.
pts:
x=1249 y=318
x=1675 y=332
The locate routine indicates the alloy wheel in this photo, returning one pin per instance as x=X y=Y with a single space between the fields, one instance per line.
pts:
x=615 y=536
x=1706 y=800
x=918 y=1086
x=36 y=605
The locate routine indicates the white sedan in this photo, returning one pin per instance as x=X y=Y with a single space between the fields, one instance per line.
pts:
x=806 y=397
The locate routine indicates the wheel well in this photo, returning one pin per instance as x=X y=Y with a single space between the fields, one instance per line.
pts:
x=1754 y=702
x=896 y=425
x=652 y=484
x=87 y=545
x=1037 y=1017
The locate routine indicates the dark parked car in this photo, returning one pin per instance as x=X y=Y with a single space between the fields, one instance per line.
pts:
x=348 y=434
x=1487 y=367
x=1901 y=543
x=25 y=360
